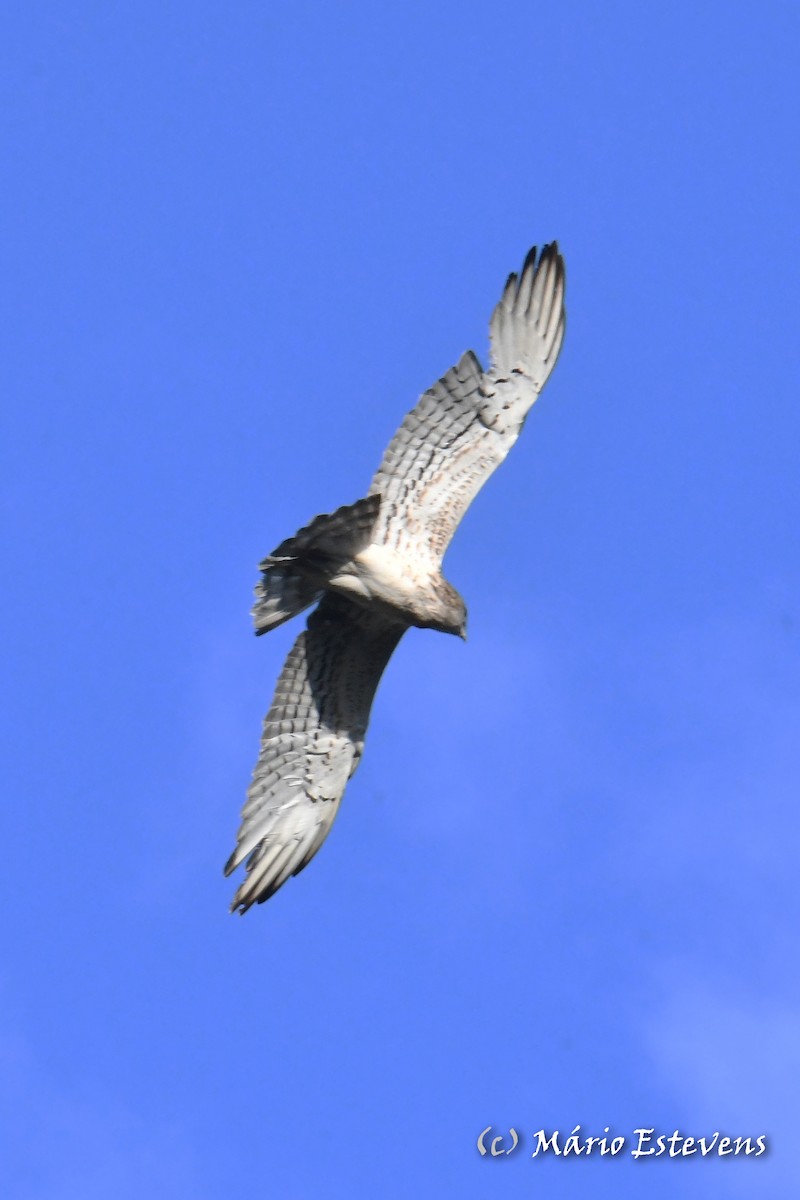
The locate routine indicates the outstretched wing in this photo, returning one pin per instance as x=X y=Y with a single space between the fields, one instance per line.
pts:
x=462 y=429
x=311 y=744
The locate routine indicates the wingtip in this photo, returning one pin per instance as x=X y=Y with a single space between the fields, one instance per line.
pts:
x=555 y=256
x=531 y=260
x=537 y=263
x=536 y=257
x=240 y=903
x=528 y=319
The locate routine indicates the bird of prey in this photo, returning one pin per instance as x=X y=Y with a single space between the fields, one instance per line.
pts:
x=373 y=569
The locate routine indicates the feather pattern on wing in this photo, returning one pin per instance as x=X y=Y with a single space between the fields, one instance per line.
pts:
x=465 y=425
x=311 y=744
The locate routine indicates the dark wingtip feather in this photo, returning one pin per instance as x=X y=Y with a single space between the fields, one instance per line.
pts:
x=528 y=318
x=530 y=259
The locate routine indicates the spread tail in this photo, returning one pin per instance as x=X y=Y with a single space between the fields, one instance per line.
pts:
x=294 y=575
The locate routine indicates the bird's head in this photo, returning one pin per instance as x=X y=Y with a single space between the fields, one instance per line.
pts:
x=454 y=611
x=461 y=631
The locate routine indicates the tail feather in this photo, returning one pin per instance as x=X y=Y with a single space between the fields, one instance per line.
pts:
x=280 y=594
x=339 y=535
x=293 y=576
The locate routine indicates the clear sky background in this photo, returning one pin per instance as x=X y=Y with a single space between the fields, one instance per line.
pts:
x=237 y=242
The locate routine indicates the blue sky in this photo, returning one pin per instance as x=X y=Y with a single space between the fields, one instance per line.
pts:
x=237 y=242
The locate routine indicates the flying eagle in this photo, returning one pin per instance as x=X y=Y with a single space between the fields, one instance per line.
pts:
x=373 y=568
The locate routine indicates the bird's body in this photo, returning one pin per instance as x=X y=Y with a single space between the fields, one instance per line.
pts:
x=381 y=577
x=375 y=569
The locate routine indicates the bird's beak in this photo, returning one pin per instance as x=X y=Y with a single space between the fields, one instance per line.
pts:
x=462 y=633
